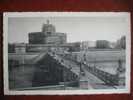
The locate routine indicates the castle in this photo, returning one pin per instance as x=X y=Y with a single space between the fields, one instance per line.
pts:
x=48 y=35
x=46 y=40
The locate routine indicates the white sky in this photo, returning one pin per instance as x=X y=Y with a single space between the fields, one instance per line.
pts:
x=76 y=28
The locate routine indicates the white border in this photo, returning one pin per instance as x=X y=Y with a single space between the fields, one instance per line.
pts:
x=6 y=15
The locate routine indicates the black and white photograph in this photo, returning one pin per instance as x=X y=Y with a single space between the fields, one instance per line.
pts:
x=51 y=53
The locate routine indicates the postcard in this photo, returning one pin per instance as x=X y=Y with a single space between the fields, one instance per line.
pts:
x=66 y=53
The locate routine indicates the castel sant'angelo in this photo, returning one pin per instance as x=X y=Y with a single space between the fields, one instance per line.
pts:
x=48 y=35
x=45 y=40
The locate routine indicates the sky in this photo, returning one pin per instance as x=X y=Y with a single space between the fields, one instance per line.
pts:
x=76 y=28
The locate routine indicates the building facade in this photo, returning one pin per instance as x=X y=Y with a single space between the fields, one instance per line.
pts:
x=101 y=44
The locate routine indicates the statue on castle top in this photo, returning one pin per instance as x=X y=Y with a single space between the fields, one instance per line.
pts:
x=48 y=28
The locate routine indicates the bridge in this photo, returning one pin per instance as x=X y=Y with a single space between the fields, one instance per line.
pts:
x=55 y=71
x=94 y=77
